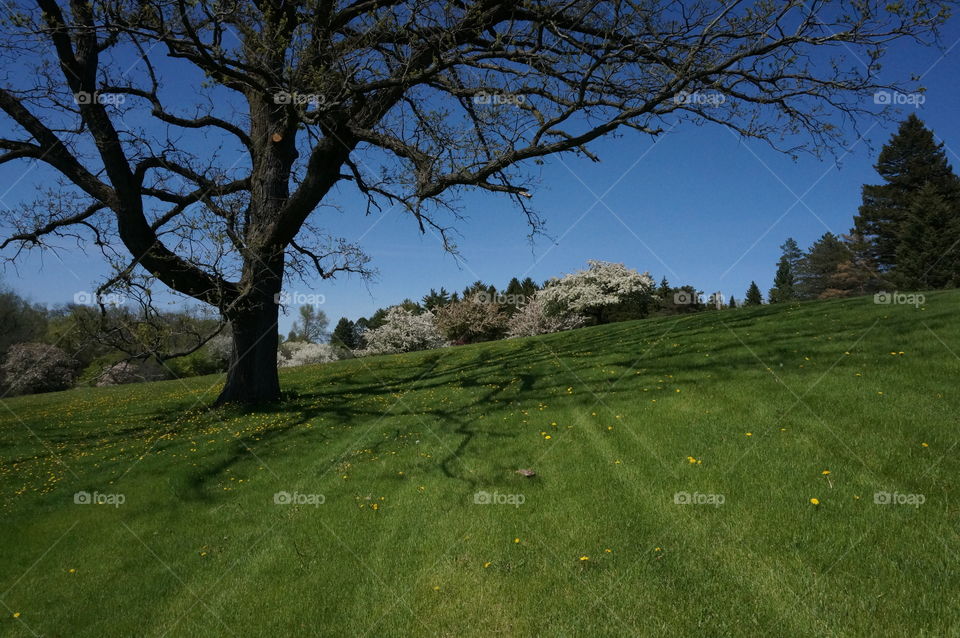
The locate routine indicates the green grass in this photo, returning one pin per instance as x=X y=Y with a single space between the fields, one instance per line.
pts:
x=199 y=548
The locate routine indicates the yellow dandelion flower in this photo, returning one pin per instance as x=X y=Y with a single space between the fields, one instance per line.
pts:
x=584 y=558
x=16 y=614
x=548 y=437
x=71 y=571
x=486 y=564
x=815 y=501
x=657 y=549
x=609 y=551
x=516 y=540
x=825 y=472
x=925 y=444
x=748 y=433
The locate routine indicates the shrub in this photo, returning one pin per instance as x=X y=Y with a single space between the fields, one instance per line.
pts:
x=472 y=320
x=302 y=353
x=533 y=319
x=403 y=331
x=38 y=367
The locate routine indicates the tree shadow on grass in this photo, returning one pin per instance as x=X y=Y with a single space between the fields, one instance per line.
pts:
x=526 y=370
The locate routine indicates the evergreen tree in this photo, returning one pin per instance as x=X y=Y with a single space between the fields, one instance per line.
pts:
x=819 y=265
x=753 y=297
x=529 y=288
x=344 y=334
x=927 y=254
x=785 y=281
x=363 y=324
x=516 y=295
x=790 y=250
x=857 y=274
x=514 y=287
x=411 y=306
x=480 y=288
x=663 y=295
x=684 y=299
x=664 y=287
x=733 y=302
x=434 y=299
x=911 y=159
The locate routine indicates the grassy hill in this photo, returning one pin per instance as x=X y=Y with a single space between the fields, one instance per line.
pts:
x=753 y=412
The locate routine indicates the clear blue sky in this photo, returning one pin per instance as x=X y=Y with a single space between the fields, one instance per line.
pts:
x=699 y=206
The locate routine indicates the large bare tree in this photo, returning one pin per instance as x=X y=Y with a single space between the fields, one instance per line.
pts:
x=198 y=140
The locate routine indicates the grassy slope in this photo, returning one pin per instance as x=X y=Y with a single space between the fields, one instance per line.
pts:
x=199 y=548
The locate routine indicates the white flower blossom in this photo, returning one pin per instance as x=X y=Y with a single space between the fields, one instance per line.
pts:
x=587 y=291
x=404 y=331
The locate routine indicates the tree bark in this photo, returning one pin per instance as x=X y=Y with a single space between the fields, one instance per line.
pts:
x=252 y=374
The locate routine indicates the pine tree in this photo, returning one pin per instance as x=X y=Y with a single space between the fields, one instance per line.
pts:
x=663 y=295
x=754 y=297
x=927 y=254
x=514 y=287
x=819 y=265
x=433 y=300
x=529 y=287
x=411 y=306
x=479 y=288
x=911 y=159
x=733 y=302
x=517 y=294
x=344 y=334
x=664 y=287
x=785 y=281
x=857 y=274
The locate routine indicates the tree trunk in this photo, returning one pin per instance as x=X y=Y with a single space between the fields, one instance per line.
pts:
x=252 y=375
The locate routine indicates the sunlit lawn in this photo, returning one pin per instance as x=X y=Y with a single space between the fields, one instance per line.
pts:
x=763 y=409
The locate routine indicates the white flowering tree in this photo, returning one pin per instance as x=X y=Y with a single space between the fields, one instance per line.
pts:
x=302 y=353
x=404 y=331
x=594 y=292
x=533 y=319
